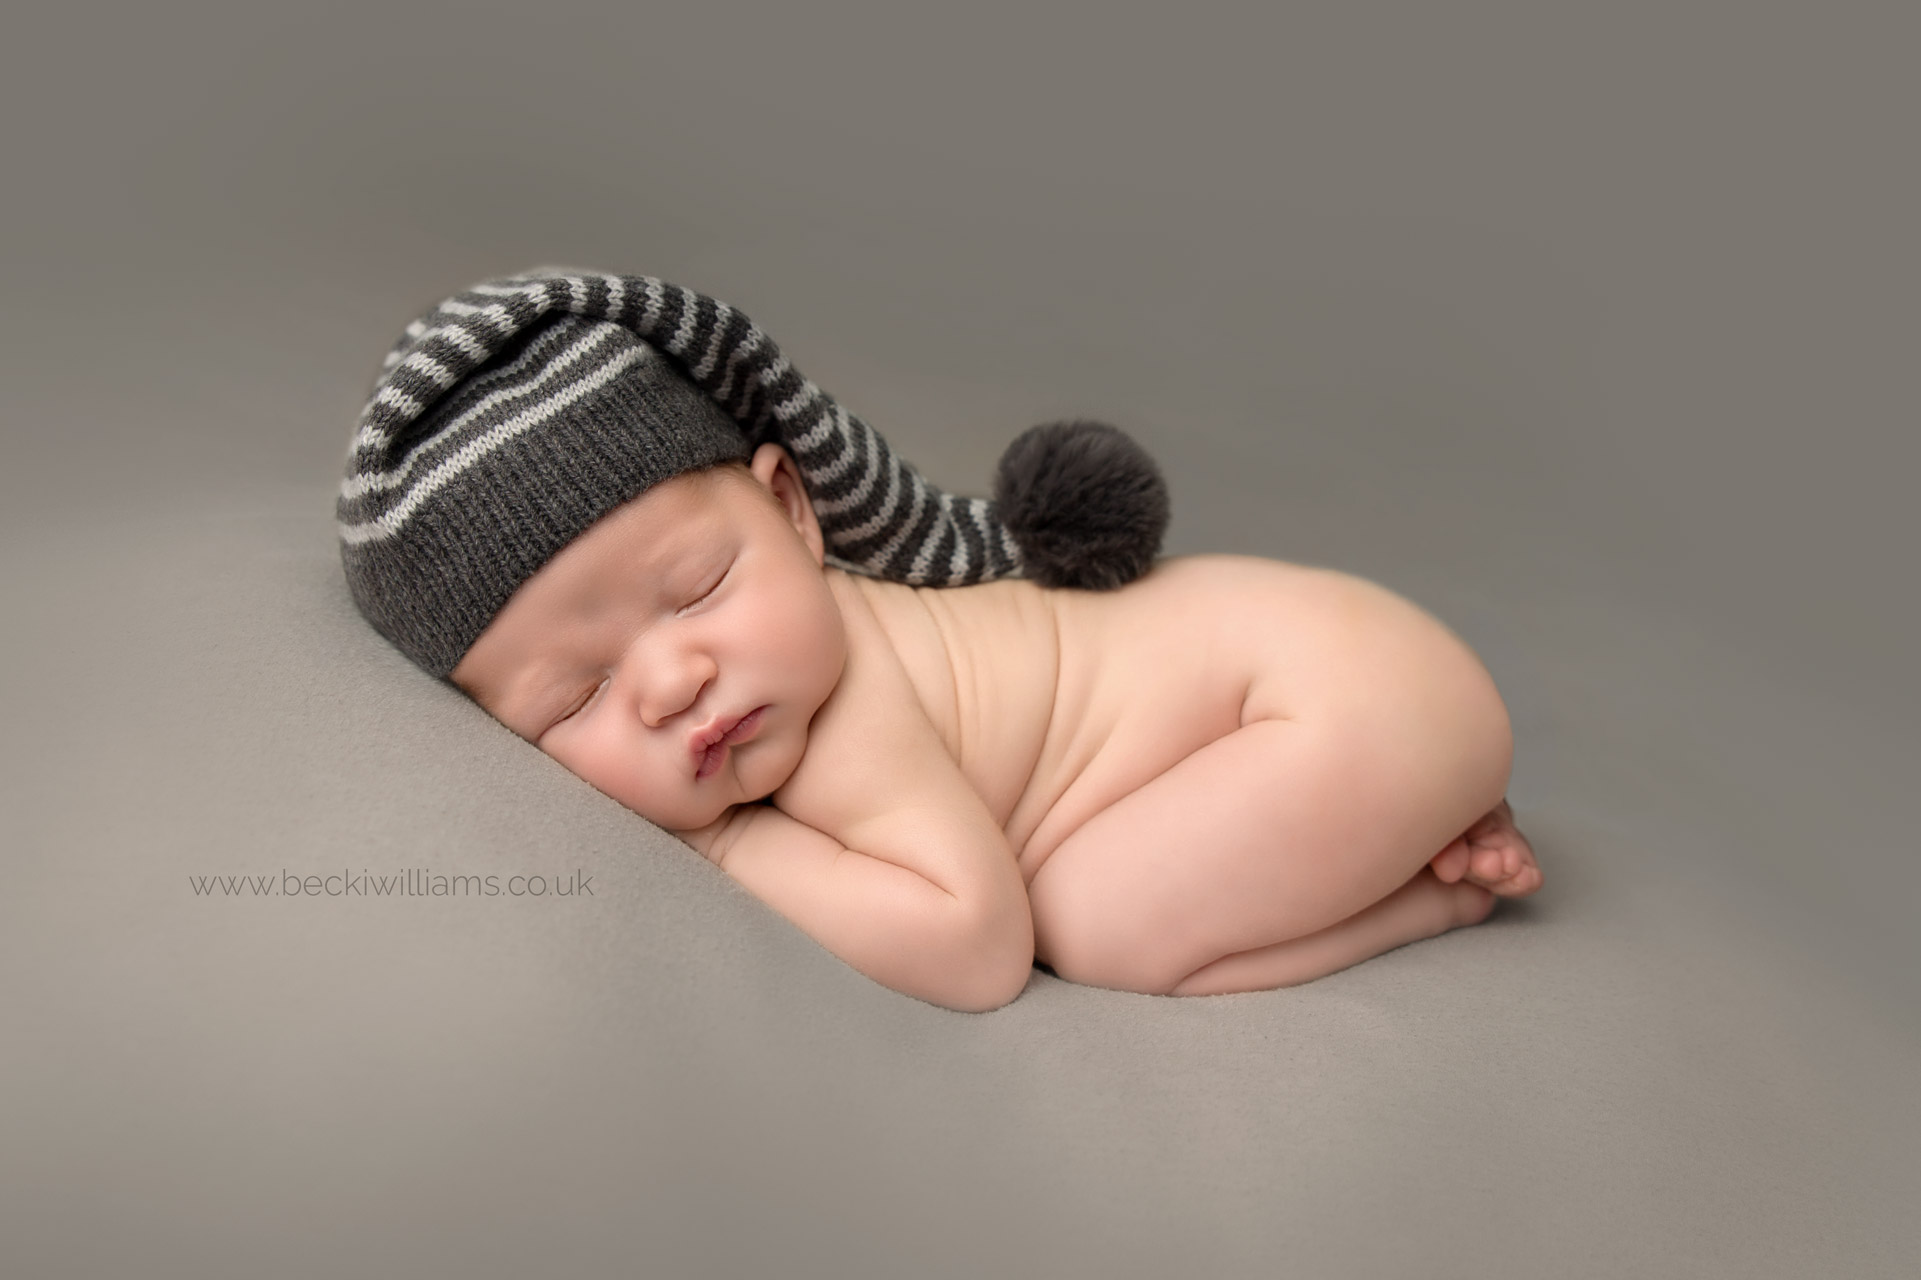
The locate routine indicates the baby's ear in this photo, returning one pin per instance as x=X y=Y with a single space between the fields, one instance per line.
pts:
x=775 y=469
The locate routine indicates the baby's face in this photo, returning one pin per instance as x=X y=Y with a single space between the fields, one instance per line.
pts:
x=670 y=618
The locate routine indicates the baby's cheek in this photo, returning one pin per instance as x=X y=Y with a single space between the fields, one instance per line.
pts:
x=606 y=773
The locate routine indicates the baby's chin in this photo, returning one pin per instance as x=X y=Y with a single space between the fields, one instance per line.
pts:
x=763 y=766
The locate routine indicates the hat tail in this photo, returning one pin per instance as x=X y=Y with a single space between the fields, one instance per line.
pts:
x=878 y=515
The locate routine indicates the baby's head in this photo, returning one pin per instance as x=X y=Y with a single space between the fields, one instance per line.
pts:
x=669 y=620
x=554 y=468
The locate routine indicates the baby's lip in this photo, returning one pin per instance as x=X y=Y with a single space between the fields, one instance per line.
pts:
x=722 y=729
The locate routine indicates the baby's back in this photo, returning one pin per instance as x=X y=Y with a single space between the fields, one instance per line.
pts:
x=1057 y=703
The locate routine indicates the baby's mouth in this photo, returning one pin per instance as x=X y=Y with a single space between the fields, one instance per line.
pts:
x=745 y=728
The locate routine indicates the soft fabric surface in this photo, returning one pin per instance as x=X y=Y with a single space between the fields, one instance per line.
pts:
x=1664 y=514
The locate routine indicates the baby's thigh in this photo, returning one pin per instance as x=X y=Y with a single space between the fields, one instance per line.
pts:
x=1274 y=831
x=1393 y=743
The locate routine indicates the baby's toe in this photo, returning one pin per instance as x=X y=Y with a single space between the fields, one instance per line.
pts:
x=1472 y=904
x=1451 y=863
x=1525 y=879
x=1489 y=865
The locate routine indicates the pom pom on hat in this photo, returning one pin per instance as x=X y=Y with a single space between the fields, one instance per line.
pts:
x=1086 y=504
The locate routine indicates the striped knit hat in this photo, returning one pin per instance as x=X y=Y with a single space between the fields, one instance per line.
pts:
x=513 y=415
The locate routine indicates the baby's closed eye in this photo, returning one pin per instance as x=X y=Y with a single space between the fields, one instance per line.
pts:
x=711 y=589
x=581 y=703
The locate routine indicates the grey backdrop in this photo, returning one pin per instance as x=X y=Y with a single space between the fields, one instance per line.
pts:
x=1592 y=330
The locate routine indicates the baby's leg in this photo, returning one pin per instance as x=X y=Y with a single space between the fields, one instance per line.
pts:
x=1421 y=908
x=1275 y=832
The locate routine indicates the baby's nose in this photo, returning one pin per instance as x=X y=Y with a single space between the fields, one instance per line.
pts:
x=667 y=689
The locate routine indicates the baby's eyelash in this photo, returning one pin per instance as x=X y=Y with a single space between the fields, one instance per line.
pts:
x=580 y=706
x=710 y=591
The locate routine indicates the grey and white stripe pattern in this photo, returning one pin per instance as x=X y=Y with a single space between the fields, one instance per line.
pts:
x=878 y=514
x=513 y=414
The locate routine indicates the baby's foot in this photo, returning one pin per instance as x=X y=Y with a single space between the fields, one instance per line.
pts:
x=1493 y=854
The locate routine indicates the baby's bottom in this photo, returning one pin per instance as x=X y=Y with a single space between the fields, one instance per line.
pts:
x=1284 y=851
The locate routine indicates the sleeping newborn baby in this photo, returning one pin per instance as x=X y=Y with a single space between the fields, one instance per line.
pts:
x=945 y=737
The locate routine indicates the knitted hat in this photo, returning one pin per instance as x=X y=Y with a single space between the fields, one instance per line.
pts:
x=515 y=414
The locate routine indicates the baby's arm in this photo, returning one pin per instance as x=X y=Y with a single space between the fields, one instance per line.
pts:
x=878 y=846
x=880 y=917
